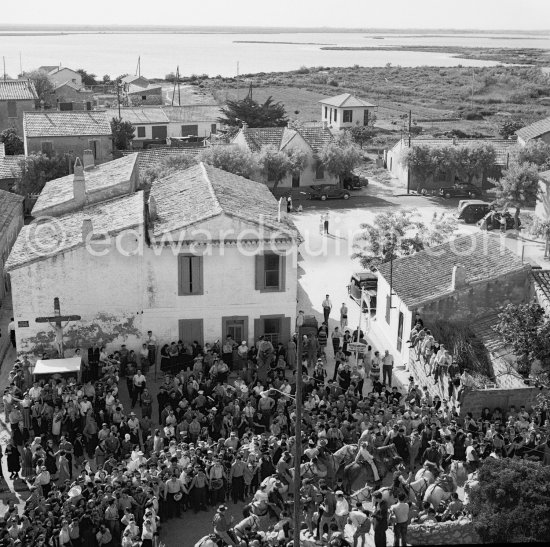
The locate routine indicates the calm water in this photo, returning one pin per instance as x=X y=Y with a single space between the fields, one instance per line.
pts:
x=214 y=54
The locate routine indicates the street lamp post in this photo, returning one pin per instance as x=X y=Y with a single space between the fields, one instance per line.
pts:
x=298 y=433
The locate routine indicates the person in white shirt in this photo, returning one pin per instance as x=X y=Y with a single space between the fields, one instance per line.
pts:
x=327 y=306
x=138 y=381
x=342 y=510
x=35 y=391
x=363 y=454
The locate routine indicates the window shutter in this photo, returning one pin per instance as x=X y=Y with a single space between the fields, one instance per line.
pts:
x=282 y=273
x=286 y=331
x=258 y=330
x=260 y=281
x=388 y=309
x=184 y=278
x=196 y=275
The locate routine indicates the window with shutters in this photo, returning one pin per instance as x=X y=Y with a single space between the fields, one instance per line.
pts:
x=12 y=109
x=270 y=272
x=47 y=148
x=366 y=117
x=348 y=116
x=141 y=132
x=319 y=171
x=326 y=112
x=190 y=275
x=92 y=145
x=213 y=128
x=188 y=130
x=335 y=115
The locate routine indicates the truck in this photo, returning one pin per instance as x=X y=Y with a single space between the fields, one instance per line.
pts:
x=366 y=281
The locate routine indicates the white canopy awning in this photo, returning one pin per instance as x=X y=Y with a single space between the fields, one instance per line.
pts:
x=58 y=366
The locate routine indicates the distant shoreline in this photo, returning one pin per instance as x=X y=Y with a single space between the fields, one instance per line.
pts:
x=287 y=43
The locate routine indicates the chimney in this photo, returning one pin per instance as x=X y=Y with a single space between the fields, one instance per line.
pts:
x=79 y=184
x=459 y=277
x=153 y=211
x=88 y=160
x=245 y=125
x=289 y=124
x=87 y=228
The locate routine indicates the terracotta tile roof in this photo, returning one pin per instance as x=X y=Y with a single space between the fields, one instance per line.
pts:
x=128 y=79
x=288 y=135
x=257 y=137
x=534 y=130
x=17 y=90
x=202 y=192
x=134 y=89
x=345 y=100
x=71 y=84
x=10 y=206
x=153 y=157
x=139 y=116
x=316 y=137
x=503 y=147
x=66 y=124
x=63 y=233
x=9 y=166
x=48 y=68
x=541 y=281
x=426 y=275
x=103 y=176
x=193 y=113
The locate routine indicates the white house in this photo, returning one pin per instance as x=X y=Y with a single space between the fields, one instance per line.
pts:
x=61 y=75
x=150 y=123
x=539 y=130
x=345 y=111
x=309 y=139
x=203 y=258
x=192 y=120
x=542 y=208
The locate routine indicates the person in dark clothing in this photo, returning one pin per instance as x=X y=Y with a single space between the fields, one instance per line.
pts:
x=380 y=520
x=401 y=444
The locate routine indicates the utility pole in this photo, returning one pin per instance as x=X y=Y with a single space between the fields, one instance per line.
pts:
x=4 y=62
x=410 y=124
x=473 y=80
x=20 y=64
x=118 y=96
x=298 y=434
x=237 y=80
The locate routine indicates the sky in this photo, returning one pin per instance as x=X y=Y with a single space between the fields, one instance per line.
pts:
x=443 y=14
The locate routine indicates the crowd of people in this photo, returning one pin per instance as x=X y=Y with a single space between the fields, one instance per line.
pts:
x=108 y=463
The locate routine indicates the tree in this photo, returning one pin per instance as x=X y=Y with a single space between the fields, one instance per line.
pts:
x=123 y=133
x=106 y=79
x=37 y=169
x=42 y=83
x=508 y=127
x=87 y=79
x=13 y=144
x=518 y=186
x=268 y=114
x=536 y=152
x=526 y=329
x=274 y=163
x=298 y=160
x=340 y=159
x=232 y=159
x=362 y=134
x=511 y=503
x=167 y=166
x=471 y=161
x=401 y=233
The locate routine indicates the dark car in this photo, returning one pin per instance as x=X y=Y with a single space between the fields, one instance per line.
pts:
x=460 y=190
x=492 y=221
x=355 y=182
x=328 y=191
x=369 y=282
x=472 y=210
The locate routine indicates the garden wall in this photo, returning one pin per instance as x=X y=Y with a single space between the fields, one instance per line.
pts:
x=459 y=532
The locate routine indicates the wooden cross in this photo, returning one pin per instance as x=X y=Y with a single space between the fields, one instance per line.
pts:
x=56 y=322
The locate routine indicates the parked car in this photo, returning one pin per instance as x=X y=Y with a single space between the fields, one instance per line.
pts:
x=460 y=190
x=328 y=191
x=355 y=182
x=491 y=221
x=368 y=281
x=472 y=210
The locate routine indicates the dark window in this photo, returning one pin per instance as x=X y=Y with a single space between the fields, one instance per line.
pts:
x=47 y=148
x=326 y=111
x=191 y=330
x=272 y=329
x=12 y=109
x=187 y=130
x=189 y=275
x=159 y=132
x=213 y=128
x=144 y=97
x=141 y=132
x=366 y=117
x=335 y=114
x=319 y=171
x=270 y=272
x=348 y=116
x=92 y=145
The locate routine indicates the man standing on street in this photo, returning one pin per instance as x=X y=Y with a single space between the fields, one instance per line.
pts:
x=11 y=330
x=401 y=513
x=343 y=317
x=151 y=342
x=387 y=367
x=325 y=223
x=327 y=306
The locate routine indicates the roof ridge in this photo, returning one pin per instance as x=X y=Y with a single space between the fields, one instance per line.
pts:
x=211 y=188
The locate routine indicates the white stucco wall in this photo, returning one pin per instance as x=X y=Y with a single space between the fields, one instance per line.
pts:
x=394 y=162
x=204 y=128
x=358 y=114
x=122 y=297
x=542 y=208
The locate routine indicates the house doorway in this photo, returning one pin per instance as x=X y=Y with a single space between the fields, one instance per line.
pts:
x=400 y=331
x=296 y=180
x=236 y=327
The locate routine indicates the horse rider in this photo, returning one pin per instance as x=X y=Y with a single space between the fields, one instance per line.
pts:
x=432 y=454
x=363 y=455
x=283 y=468
x=401 y=479
x=247 y=526
x=222 y=525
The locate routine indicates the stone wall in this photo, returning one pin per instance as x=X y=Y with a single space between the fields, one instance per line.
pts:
x=459 y=532
x=475 y=401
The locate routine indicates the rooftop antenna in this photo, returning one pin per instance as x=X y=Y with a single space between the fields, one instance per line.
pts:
x=20 y=64
x=4 y=63
x=138 y=68
x=249 y=96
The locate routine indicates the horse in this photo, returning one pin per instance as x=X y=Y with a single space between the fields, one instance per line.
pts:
x=458 y=472
x=271 y=483
x=384 y=460
x=471 y=484
x=440 y=491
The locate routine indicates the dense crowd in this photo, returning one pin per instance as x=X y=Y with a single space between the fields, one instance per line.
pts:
x=221 y=430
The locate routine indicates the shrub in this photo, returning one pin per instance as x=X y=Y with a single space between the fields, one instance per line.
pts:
x=333 y=83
